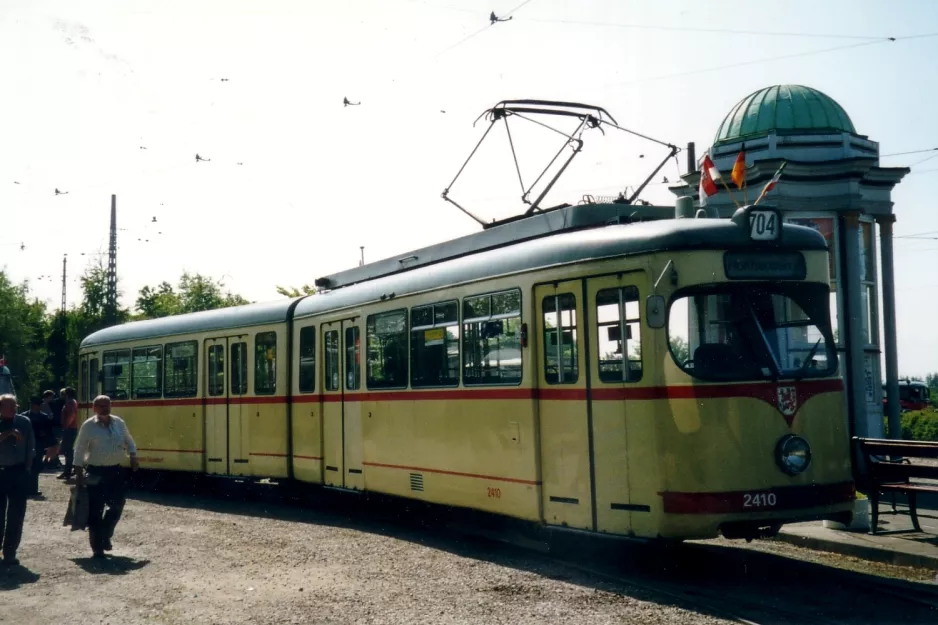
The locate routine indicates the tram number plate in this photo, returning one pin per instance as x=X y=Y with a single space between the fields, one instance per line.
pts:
x=763 y=225
x=759 y=500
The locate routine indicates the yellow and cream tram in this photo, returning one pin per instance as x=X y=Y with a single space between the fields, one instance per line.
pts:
x=673 y=378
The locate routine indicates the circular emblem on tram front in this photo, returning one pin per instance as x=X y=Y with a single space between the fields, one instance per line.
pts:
x=787 y=400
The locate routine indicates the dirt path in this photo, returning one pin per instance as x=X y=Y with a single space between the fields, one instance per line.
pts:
x=235 y=561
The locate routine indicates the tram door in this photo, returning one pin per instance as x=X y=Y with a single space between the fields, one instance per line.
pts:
x=341 y=410
x=562 y=407
x=616 y=365
x=226 y=436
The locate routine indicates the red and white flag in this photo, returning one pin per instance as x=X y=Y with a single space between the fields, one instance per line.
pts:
x=771 y=183
x=709 y=174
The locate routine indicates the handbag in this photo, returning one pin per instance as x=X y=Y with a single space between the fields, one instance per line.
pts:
x=76 y=514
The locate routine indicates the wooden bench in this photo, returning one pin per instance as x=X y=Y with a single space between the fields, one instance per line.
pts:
x=890 y=471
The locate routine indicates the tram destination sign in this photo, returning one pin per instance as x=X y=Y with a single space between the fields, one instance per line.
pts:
x=764 y=266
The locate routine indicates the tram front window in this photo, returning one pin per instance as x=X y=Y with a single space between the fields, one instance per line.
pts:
x=752 y=332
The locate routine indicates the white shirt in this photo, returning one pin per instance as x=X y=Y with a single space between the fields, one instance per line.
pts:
x=101 y=446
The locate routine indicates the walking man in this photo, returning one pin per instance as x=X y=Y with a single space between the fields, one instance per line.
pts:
x=17 y=450
x=103 y=443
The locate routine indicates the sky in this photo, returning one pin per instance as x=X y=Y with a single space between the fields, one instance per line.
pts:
x=103 y=98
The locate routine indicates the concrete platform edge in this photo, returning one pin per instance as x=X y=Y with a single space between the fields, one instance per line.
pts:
x=888 y=556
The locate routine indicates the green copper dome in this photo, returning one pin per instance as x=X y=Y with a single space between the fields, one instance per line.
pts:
x=783 y=109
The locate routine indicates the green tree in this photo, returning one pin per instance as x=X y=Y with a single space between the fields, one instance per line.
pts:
x=161 y=301
x=24 y=330
x=193 y=293
x=292 y=291
x=679 y=347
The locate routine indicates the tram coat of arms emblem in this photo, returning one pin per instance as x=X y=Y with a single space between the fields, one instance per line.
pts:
x=787 y=400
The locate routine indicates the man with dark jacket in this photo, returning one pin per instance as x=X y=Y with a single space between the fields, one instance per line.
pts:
x=42 y=434
x=17 y=450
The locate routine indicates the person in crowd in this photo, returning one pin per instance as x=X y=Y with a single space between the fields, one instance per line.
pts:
x=69 y=431
x=103 y=443
x=42 y=435
x=17 y=450
x=53 y=404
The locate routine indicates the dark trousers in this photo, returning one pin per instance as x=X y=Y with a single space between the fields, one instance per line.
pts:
x=109 y=491
x=33 y=478
x=68 y=448
x=13 y=492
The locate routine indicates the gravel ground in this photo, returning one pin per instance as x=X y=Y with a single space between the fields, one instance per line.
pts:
x=184 y=557
x=237 y=561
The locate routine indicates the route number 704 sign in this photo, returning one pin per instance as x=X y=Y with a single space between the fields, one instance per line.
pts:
x=764 y=225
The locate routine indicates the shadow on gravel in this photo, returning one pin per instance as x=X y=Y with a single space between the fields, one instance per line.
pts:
x=13 y=577
x=111 y=565
x=719 y=581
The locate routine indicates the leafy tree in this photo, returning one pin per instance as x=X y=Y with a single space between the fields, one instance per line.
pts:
x=292 y=291
x=193 y=293
x=680 y=348
x=24 y=329
x=161 y=301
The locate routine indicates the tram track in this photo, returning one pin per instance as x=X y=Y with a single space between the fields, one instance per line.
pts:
x=731 y=583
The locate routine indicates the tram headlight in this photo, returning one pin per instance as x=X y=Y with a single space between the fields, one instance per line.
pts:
x=792 y=454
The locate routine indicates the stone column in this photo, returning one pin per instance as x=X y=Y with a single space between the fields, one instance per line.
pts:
x=853 y=318
x=887 y=273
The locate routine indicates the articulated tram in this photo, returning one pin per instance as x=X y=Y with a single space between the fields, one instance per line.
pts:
x=673 y=378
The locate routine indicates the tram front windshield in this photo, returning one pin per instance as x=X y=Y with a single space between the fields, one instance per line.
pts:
x=752 y=332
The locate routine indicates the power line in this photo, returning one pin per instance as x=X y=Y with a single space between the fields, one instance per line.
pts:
x=753 y=62
x=467 y=38
x=725 y=31
x=907 y=153
x=927 y=158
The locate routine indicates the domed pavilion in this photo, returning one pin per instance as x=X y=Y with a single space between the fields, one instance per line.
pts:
x=832 y=182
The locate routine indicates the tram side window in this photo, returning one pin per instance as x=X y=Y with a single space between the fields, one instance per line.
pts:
x=83 y=382
x=620 y=335
x=387 y=349
x=353 y=376
x=492 y=338
x=117 y=374
x=181 y=370
x=92 y=379
x=216 y=370
x=331 y=351
x=147 y=379
x=307 y=359
x=560 y=355
x=239 y=368
x=265 y=363
x=434 y=345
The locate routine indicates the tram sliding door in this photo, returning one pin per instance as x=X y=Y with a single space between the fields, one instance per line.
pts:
x=226 y=434
x=562 y=408
x=615 y=367
x=341 y=410
x=216 y=406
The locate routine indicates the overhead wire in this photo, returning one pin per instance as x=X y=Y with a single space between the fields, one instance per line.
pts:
x=752 y=62
x=721 y=31
x=910 y=152
x=486 y=27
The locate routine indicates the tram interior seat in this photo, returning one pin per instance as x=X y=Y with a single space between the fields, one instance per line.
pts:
x=721 y=359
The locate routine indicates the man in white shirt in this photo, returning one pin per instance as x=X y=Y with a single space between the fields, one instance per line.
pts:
x=102 y=444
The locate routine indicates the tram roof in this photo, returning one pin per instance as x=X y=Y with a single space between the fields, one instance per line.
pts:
x=560 y=249
x=206 y=321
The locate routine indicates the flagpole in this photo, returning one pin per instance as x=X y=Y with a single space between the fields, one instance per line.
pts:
x=732 y=197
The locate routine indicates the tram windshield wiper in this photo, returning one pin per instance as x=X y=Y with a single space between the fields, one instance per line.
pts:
x=803 y=371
